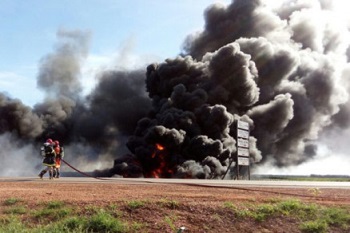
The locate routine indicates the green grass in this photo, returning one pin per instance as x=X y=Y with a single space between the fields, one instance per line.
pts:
x=317 y=226
x=11 y=201
x=53 y=211
x=56 y=216
x=313 y=218
x=104 y=222
x=170 y=221
x=51 y=214
x=57 y=220
x=54 y=204
x=135 y=204
x=12 y=225
x=15 y=210
x=171 y=204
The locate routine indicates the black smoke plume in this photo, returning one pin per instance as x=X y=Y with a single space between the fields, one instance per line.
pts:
x=284 y=71
x=281 y=71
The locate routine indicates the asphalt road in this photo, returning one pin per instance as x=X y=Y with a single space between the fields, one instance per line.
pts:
x=215 y=183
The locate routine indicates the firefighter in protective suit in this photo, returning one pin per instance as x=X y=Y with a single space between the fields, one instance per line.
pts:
x=48 y=153
x=59 y=156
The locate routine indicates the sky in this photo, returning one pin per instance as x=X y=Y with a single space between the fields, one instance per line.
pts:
x=28 y=32
x=123 y=35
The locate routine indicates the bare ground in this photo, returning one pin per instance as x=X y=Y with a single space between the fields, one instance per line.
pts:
x=198 y=208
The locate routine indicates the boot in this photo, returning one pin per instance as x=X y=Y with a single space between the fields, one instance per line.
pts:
x=42 y=173
x=57 y=174
x=54 y=173
x=51 y=174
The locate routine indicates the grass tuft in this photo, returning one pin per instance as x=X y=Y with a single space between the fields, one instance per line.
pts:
x=135 y=204
x=317 y=226
x=104 y=222
x=11 y=201
x=171 y=204
x=16 y=210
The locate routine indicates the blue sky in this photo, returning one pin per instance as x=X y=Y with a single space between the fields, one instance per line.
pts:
x=154 y=29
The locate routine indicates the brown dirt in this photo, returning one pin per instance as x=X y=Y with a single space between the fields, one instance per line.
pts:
x=198 y=208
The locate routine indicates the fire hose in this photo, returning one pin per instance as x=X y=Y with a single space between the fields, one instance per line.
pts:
x=80 y=172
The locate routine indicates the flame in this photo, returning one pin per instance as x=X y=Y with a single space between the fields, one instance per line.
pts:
x=159 y=147
x=161 y=156
x=157 y=173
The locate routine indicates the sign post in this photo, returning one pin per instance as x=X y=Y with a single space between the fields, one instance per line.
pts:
x=243 y=146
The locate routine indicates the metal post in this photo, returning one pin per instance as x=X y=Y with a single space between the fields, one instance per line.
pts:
x=227 y=169
x=249 y=171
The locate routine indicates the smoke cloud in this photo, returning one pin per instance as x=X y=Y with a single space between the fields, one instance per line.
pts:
x=92 y=129
x=283 y=71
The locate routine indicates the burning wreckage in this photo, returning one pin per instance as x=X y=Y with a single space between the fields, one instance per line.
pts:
x=281 y=71
x=189 y=131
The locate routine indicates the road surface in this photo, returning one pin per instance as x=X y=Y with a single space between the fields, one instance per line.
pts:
x=212 y=183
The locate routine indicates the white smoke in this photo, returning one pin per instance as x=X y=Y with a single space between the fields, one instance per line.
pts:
x=18 y=158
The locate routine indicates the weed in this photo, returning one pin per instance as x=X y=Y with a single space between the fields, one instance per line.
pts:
x=263 y=211
x=170 y=221
x=314 y=227
x=11 y=201
x=336 y=217
x=16 y=210
x=229 y=205
x=13 y=225
x=113 y=210
x=314 y=191
x=91 y=210
x=74 y=223
x=288 y=206
x=239 y=212
x=55 y=204
x=52 y=214
x=171 y=204
x=104 y=222
x=135 y=204
x=273 y=200
x=136 y=227
x=113 y=207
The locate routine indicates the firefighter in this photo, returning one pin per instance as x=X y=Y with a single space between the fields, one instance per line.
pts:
x=48 y=153
x=59 y=156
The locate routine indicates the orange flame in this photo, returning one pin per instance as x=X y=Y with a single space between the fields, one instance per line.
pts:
x=158 y=154
x=159 y=147
x=161 y=156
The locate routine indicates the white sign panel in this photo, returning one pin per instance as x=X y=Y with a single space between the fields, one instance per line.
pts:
x=242 y=142
x=243 y=161
x=242 y=125
x=243 y=152
x=243 y=133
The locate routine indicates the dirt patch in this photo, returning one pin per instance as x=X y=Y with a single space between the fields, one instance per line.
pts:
x=167 y=206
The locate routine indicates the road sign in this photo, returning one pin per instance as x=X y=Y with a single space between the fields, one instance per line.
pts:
x=242 y=146
x=242 y=142
x=243 y=125
x=243 y=152
x=242 y=133
x=243 y=161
